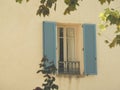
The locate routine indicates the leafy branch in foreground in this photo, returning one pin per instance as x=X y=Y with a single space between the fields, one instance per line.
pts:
x=104 y=1
x=108 y=18
x=20 y=1
x=71 y=6
x=48 y=69
x=46 y=5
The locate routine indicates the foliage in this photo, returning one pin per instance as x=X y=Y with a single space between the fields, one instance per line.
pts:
x=46 y=5
x=48 y=69
x=104 y=1
x=71 y=6
x=108 y=18
x=20 y=1
x=111 y=17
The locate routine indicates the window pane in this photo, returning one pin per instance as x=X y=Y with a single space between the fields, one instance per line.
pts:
x=61 y=49
x=70 y=44
x=61 y=53
x=60 y=44
x=61 y=32
x=70 y=32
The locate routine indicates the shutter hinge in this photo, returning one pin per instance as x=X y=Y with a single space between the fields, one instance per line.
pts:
x=83 y=49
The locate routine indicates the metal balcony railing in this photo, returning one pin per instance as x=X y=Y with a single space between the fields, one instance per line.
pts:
x=69 y=67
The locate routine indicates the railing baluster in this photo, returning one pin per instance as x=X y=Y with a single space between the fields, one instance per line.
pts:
x=79 y=67
x=69 y=67
x=65 y=67
x=72 y=67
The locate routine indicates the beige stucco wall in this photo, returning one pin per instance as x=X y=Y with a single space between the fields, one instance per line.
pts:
x=21 y=47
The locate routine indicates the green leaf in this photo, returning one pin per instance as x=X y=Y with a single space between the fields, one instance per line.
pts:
x=42 y=1
x=117 y=31
x=102 y=27
x=53 y=78
x=55 y=6
x=112 y=19
x=67 y=2
x=102 y=1
x=49 y=3
x=77 y=4
x=39 y=71
x=38 y=88
x=72 y=4
x=54 y=86
x=102 y=16
x=106 y=41
x=45 y=80
x=44 y=84
x=116 y=41
x=47 y=76
x=99 y=34
x=27 y=0
x=67 y=11
x=108 y=1
x=112 y=44
x=19 y=1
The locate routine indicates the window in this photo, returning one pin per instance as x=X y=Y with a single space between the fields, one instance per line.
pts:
x=72 y=47
x=66 y=48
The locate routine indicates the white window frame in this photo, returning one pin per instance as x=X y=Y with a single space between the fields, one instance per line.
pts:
x=65 y=41
x=78 y=54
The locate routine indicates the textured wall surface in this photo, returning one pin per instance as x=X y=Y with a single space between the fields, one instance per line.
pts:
x=21 y=47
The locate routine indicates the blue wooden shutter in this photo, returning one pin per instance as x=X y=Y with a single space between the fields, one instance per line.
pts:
x=89 y=36
x=49 y=41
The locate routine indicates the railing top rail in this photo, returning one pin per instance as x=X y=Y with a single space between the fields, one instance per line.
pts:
x=69 y=61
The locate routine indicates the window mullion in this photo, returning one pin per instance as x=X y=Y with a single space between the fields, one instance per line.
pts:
x=65 y=45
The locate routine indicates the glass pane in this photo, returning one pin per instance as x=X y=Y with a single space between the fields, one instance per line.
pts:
x=70 y=44
x=70 y=49
x=61 y=53
x=70 y=32
x=60 y=44
x=61 y=32
x=60 y=35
